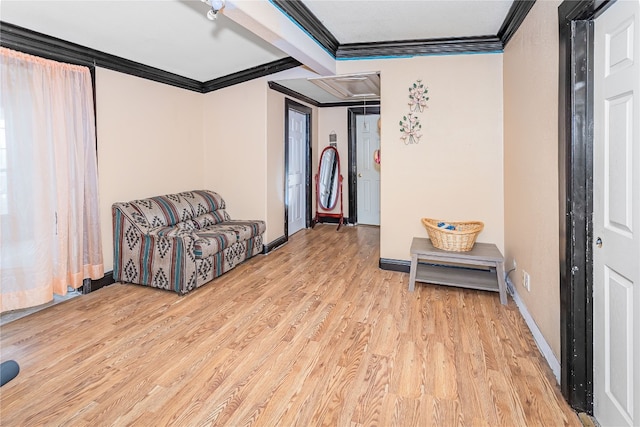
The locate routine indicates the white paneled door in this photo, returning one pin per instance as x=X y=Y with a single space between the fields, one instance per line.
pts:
x=616 y=217
x=368 y=188
x=296 y=161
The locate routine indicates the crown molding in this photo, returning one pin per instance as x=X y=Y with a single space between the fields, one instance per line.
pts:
x=300 y=14
x=312 y=25
x=292 y=93
x=579 y=10
x=303 y=98
x=34 y=43
x=515 y=17
x=28 y=41
x=250 y=74
x=420 y=47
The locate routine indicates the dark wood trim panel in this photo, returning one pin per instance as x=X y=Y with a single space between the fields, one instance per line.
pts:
x=575 y=176
x=303 y=98
x=297 y=11
x=515 y=17
x=581 y=10
x=94 y=285
x=420 y=47
x=33 y=43
x=292 y=93
x=250 y=74
x=348 y=104
x=268 y=247
x=395 y=265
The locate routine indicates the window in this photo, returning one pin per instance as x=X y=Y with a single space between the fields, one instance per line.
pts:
x=4 y=208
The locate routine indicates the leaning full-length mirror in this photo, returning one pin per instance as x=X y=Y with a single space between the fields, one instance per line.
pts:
x=329 y=185
x=328 y=178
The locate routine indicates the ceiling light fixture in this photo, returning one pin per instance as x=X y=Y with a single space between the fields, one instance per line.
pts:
x=216 y=6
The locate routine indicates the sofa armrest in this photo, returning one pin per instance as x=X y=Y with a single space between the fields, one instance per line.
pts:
x=161 y=257
x=126 y=212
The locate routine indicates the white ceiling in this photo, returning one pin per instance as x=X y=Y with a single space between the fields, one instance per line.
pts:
x=172 y=35
x=356 y=21
x=176 y=36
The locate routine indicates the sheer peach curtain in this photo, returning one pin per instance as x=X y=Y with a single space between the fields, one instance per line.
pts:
x=50 y=227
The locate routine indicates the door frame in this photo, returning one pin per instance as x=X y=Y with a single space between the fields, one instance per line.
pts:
x=289 y=104
x=352 y=174
x=575 y=181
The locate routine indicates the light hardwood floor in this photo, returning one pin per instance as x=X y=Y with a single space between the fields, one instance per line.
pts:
x=313 y=334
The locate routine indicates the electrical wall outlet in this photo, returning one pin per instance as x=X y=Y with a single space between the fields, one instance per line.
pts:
x=526 y=281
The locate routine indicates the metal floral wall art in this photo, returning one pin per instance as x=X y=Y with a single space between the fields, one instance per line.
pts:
x=418 y=96
x=410 y=128
x=410 y=124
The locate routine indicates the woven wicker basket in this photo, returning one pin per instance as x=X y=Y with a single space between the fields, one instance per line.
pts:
x=461 y=239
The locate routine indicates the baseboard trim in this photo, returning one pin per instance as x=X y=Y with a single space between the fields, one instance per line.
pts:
x=394 y=265
x=94 y=285
x=542 y=344
x=275 y=244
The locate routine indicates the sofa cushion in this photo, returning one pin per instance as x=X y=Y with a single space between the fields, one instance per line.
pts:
x=212 y=241
x=244 y=230
x=164 y=210
x=174 y=230
x=171 y=209
x=212 y=218
x=203 y=201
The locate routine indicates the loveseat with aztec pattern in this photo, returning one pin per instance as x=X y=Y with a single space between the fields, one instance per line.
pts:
x=180 y=241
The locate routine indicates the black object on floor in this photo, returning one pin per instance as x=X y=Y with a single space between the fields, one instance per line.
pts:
x=8 y=371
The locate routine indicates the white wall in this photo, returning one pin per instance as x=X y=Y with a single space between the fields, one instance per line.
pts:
x=157 y=139
x=531 y=165
x=235 y=150
x=149 y=143
x=275 y=161
x=455 y=172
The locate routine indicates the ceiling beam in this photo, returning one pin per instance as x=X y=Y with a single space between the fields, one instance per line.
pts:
x=268 y=22
x=307 y=20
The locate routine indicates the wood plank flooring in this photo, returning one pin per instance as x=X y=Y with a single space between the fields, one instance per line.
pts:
x=313 y=334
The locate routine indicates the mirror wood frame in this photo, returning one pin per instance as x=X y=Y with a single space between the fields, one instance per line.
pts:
x=324 y=210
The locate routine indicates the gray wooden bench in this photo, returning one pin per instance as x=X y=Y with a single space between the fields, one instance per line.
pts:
x=452 y=268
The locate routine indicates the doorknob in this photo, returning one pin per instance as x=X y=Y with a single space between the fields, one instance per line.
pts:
x=599 y=242
x=359 y=175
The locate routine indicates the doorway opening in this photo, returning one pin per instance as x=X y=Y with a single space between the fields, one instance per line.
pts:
x=297 y=165
x=575 y=163
x=364 y=197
